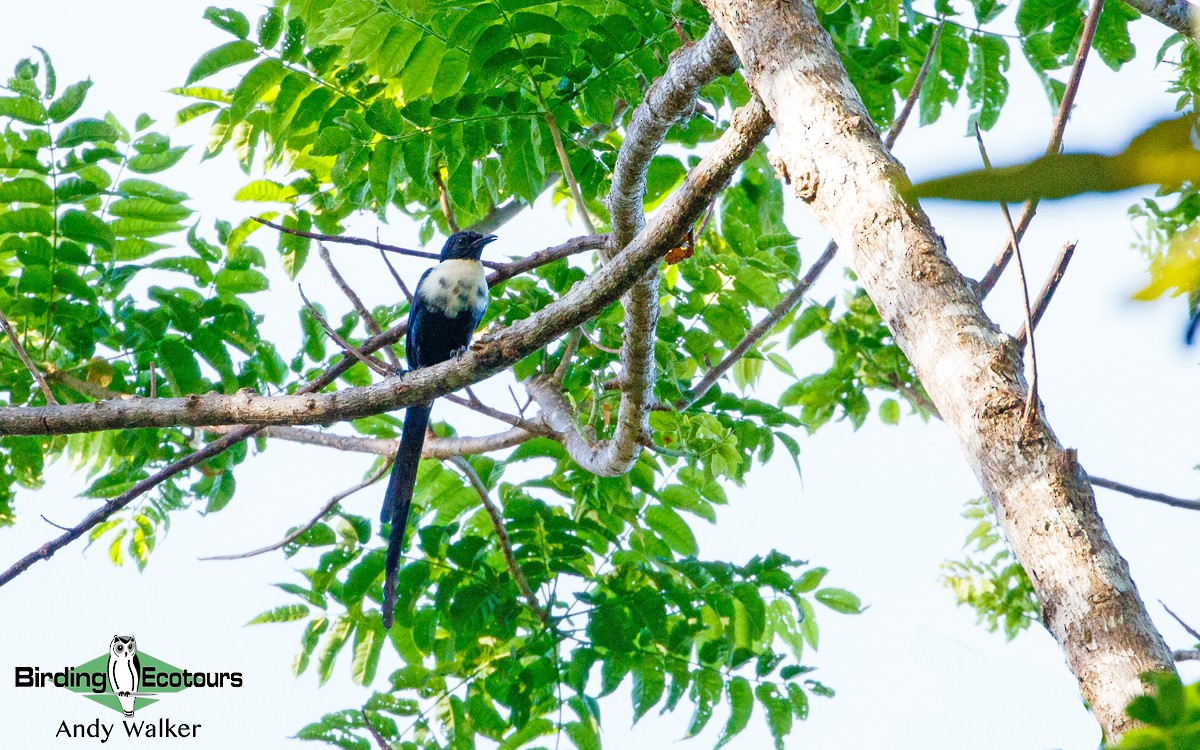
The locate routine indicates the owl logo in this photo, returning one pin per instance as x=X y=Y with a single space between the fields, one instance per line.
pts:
x=124 y=671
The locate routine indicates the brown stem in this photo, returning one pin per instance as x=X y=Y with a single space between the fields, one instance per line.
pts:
x=295 y=534
x=915 y=92
x=510 y=560
x=371 y=362
x=1050 y=286
x=1157 y=497
x=988 y=282
x=29 y=365
x=444 y=200
x=568 y=173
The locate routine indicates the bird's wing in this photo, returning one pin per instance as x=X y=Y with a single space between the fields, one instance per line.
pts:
x=415 y=312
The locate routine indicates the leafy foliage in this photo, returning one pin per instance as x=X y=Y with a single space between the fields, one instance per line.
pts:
x=1171 y=714
x=337 y=107
x=996 y=586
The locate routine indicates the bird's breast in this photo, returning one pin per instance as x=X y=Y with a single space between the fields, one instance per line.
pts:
x=455 y=287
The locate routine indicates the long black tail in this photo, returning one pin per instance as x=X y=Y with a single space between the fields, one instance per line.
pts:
x=397 y=501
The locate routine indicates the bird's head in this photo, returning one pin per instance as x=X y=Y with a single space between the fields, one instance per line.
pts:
x=466 y=245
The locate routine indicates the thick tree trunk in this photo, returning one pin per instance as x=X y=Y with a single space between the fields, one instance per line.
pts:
x=831 y=154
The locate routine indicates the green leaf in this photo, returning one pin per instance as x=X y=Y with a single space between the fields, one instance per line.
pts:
x=369 y=638
x=672 y=528
x=230 y=282
x=649 y=682
x=741 y=706
x=889 y=411
x=664 y=175
x=224 y=486
x=149 y=208
x=220 y=58
x=779 y=712
x=228 y=19
x=270 y=28
x=151 y=163
x=840 y=600
x=383 y=170
x=150 y=189
x=987 y=86
x=332 y=141
x=1035 y=15
x=286 y=613
x=451 y=75
x=27 y=220
x=265 y=191
x=26 y=190
x=181 y=367
x=87 y=131
x=260 y=79
x=23 y=108
x=421 y=68
x=1112 y=41
x=70 y=101
x=85 y=226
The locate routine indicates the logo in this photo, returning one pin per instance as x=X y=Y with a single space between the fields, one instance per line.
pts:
x=125 y=680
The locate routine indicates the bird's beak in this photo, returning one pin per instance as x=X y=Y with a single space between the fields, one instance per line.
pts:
x=485 y=239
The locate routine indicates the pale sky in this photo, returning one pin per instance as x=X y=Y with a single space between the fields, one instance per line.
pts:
x=879 y=507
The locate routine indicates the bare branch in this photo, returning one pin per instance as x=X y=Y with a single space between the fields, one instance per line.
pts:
x=1157 y=497
x=1049 y=287
x=670 y=99
x=434 y=447
x=760 y=329
x=295 y=533
x=1031 y=397
x=104 y=512
x=915 y=92
x=346 y=240
x=510 y=559
x=985 y=285
x=572 y=184
x=1190 y=630
x=1186 y=655
x=444 y=200
x=568 y=354
x=399 y=281
x=29 y=365
x=371 y=362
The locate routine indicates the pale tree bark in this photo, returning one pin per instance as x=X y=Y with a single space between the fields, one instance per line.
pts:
x=831 y=154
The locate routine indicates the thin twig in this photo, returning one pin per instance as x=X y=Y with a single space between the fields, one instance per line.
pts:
x=379 y=738
x=399 y=281
x=988 y=282
x=1031 y=396
x=505 y=544
x=29 y=365
x=569 y=350
x=568 y=173
x=102 y=514
x=760 y=329
x=596 y=343
x=911 y=100
x=347 y=240
x=1048 y=289
x=58 y=526
x=356 y=301
x=1190 y=630
x=1158 y=497
x=295 y=533
x=153 y=379
x=372 y=363
x=444 y=200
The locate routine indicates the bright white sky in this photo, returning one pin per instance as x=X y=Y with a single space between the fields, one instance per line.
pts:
x=879 y=507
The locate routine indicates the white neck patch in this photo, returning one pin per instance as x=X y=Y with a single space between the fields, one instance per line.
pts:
x=454 y=287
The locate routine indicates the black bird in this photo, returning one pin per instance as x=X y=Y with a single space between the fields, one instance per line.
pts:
x=447 y=306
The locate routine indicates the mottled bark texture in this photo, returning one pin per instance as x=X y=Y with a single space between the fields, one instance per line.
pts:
x=830 y=153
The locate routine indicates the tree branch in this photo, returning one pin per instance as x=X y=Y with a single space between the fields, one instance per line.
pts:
x=670 y=98
x=295 y=533
x=1190 y=630
x=506 y=548
x=830 y=152
x=1178 y=15
x=760 y=329
x=104 y=512
x=1049 y=287
x=568 y=173
x=985 y=285
x=1157 y=497
x=29 y=365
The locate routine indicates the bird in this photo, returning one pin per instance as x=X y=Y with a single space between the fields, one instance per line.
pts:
x=124 y=671
x=447 y=306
